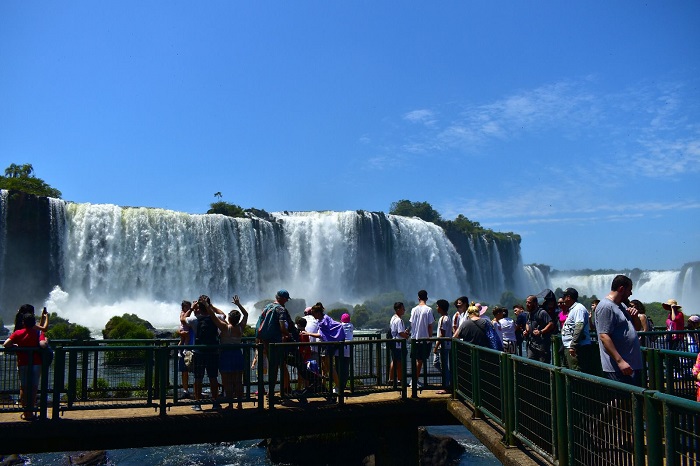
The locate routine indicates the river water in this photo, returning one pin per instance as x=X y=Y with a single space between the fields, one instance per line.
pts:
x=244 y=453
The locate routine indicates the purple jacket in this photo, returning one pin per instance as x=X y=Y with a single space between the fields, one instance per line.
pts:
x=330 y=330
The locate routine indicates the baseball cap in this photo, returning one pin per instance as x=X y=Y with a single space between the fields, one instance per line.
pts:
x=283 y=294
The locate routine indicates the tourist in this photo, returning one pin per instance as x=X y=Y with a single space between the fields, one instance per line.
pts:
x=507 y=325
x=231 y=359
x=647 y=323
x=273 y=326
x=540 y=327
x=563 y=312
x=398 y=332
x=521 y=318
x=575 y=334
x=461 y=304
x=474 y=329
x=594 y=304
x=311 y=327
x=620 y=352
x=349 y=329
x=421 y=321
x=329 y=330
x=304 y=354
x=674 y=322
x=186 y=338
x=696 y=375
x=442 y=347
x=28 y=337
x=43 y=324
x=692 y=339
x=206 y=357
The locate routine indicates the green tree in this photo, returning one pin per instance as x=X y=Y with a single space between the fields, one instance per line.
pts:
x=226 y=208
x=21 y=178
x=422 y=210
x=360 y=317
x=336 y=313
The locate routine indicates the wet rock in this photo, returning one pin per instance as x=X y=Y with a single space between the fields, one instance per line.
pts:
x=9 y=460
x=438 y=450
x=89 y=458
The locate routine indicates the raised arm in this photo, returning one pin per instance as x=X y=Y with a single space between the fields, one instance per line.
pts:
x=211 y=310
x=244 y=318
x=44 y=322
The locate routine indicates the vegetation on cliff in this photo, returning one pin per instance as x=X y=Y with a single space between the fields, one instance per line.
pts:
x=21 y=178
x=461 y=224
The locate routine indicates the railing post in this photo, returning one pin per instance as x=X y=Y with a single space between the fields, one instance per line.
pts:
x=476 y=385
x=72 y=377
x=260 y=348
x=414 y=376
x=556 y=350
x=162 y=357
x=561 y=428
x=507 y=398
x=404 y=371
x=44 y=399
x=59 y=376
x=654 y=432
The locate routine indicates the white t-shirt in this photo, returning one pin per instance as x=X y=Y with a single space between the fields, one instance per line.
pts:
x=396 y=326
x=421 y=317
x=507 y=329
x=445 y=324
x=578 y=314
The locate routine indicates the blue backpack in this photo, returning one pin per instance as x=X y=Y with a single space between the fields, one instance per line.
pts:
x=268 y=326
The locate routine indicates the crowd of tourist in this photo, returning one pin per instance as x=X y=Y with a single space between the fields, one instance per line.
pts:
x=211 y=339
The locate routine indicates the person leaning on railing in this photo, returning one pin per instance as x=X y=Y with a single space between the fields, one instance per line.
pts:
x=28 y=337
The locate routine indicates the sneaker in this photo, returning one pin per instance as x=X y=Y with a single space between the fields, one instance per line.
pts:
x=216 y=406
x=196 y=407
x=335 y=391
x=185 y=395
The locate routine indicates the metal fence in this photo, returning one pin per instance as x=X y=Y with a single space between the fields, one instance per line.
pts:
x=110 y=374
x=574 y=418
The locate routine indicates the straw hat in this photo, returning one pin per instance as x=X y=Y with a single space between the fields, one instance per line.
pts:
x=671 y=303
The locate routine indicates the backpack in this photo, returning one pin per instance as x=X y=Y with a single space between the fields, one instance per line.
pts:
x=207 y=332
x=268 y=326
x=494 y=341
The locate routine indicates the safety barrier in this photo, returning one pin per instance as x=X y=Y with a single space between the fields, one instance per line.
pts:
x=579 y=419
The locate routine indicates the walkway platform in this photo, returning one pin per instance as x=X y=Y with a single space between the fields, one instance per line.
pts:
x=380 y=415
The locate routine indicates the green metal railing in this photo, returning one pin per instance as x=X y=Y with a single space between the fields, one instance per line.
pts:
x=144 y=373
x=573 y=418
x=567 y=416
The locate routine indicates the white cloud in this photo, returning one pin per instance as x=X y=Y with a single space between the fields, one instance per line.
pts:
x=427 y=117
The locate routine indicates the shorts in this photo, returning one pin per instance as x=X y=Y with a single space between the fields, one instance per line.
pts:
x=231 y=360
x=421 y=350
x=208 y=362
x=24 y=372
x=396 y=354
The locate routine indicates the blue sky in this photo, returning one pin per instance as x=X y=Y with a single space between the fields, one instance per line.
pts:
x=574 y=124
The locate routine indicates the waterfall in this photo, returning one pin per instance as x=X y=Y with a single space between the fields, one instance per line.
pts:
x=649 y=285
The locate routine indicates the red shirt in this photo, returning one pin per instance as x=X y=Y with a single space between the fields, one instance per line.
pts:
x=27 y=339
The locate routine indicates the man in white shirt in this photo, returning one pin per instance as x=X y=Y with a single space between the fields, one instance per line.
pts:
x=421 y=327
x=575 y=334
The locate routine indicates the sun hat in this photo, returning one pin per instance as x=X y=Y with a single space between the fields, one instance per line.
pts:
x=482 y=309
x=694 y=319
x=345 y=318
x=671 y=303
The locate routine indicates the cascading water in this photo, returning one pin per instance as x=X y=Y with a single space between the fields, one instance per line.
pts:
x=97 y=261
x=649 y=285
